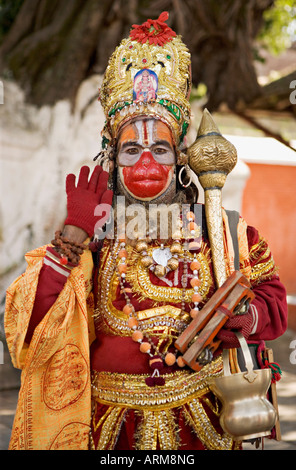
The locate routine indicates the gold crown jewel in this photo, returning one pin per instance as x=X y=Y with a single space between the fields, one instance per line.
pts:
x=148 y=74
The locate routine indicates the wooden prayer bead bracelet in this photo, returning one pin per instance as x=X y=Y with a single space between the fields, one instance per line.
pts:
x=69 y=250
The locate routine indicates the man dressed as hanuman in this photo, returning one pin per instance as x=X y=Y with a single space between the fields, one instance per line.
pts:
x=94 y=319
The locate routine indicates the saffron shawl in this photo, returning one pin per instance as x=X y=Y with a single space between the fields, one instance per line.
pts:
x=54 y=404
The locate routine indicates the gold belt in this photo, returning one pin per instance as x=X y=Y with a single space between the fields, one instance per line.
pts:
x=131 y=391
x=158 y=428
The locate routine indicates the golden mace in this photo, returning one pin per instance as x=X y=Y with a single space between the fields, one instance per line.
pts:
x=212 y=158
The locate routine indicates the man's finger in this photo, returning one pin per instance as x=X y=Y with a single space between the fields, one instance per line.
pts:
x=102 y=184
x=70 y=182
x=83 y=177
x=93 y=182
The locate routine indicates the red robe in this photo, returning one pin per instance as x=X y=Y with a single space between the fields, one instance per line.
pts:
x=115 y=353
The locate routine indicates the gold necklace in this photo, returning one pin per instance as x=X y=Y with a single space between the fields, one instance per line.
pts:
x=147 y=346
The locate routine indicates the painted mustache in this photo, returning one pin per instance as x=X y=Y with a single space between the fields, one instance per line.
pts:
x=147 y=178
x=148 y=169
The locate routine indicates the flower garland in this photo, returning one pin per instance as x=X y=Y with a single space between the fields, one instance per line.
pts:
x=155 y=31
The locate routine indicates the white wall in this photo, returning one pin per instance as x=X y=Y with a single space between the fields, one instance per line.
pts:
x=38 y=147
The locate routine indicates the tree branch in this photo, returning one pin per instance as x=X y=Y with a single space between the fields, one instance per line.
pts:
x=264 y=129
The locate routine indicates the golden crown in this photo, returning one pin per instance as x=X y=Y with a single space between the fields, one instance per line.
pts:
x=148 y=74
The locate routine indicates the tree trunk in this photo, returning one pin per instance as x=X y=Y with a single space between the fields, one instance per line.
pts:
x=220 y=36
x=50 y=47
x=54 y=45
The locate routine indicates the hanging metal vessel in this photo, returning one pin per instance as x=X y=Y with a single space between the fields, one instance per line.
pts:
x=246 y=412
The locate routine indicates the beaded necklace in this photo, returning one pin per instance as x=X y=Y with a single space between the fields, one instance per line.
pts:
x=157 y=360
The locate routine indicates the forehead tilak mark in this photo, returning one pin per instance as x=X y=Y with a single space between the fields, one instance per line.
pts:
x=145 y=132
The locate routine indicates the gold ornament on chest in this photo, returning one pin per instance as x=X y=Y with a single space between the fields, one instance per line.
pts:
x=162 y=260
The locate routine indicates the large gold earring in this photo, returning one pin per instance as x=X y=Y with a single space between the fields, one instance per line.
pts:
x=187 y=169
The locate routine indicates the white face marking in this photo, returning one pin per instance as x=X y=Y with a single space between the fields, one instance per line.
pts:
x=145 y=130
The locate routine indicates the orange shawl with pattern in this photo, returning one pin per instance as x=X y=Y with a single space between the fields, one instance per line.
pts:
x=54 y=404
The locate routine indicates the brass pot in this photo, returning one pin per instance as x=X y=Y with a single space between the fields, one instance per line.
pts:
x=246 y=412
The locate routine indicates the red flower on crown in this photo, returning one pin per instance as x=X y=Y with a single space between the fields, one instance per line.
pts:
x=155 y=31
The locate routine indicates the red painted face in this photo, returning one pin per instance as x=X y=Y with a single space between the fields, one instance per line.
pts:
x=146 y=158
x=147 y=178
